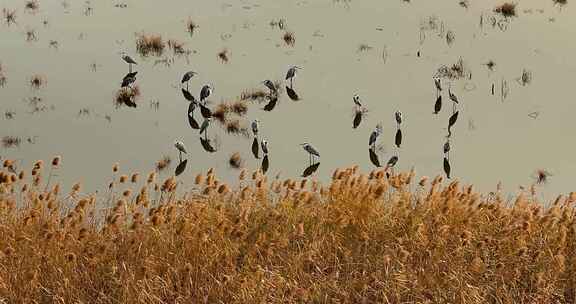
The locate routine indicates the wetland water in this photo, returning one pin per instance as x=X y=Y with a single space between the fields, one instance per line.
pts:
x=344 y=48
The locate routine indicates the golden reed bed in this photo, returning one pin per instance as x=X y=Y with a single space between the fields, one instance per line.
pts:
x=360 y=239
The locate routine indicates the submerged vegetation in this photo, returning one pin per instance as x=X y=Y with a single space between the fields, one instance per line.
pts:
x=360 y=239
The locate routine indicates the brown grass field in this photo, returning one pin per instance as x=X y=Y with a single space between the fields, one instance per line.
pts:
x=360 y=239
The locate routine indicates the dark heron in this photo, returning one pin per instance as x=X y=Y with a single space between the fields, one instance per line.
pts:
x=271 y=104
x=291 y=73
x=398 y=116
x=187 y=76
x=270 y=85
x=205 y=111
x=446 y=148
x=311 y=151
x=374 y=135
x=255 y=127
x=128 y=60
x=391 y=162
x=453 y=98
x=181 y=148
x=205 y=92
x=356 y=100
x=205 y=125
x=437 y=84
x=129 y=79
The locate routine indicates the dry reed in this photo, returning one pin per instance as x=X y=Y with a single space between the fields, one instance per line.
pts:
x=363 y=238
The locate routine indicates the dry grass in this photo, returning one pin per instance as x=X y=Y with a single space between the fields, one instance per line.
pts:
x=32 y=6
x=224 y=56
x=127 y=96
x=191 y=26
x=149 y=44
x=163 y=163
x=254 y=95
x=360 y=239
x=507 y=9
x=9 y=16
x=236 y=161
x=235 y=127
x=38 y=81
x=31 y=35
x=289 y=39
x=560 y=2
x=11 y=141
x=177 y=47
x=454 y=71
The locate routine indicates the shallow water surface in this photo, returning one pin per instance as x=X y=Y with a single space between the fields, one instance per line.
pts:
x=363 y=47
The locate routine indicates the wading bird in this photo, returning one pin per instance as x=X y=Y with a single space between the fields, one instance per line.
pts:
x=129 y=79
x=205 y=92
x=391 y=162
x=311 y=151
x=264 y=145
x=181 y=148
x=291 y=73
x=255 y=125
x=374 y=136
x=128 y=60
x=452 y=96
x=437 y=84
x=205 y=125
x=187 y=76
x=398 y=116
x=270 y=85
x=356 y=100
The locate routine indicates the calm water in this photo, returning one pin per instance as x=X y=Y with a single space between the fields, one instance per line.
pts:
x=493 y=139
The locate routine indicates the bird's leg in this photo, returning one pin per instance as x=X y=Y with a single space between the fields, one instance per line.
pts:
x=129 y=68
x=180 y=156
x=187 y=82
x=291 y=82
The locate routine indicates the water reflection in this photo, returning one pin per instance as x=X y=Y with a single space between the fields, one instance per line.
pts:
x=374 y=157
x=292 y=94
x=181 y=167
x=255 y=148
x=310 y=169
x=206 y=145
x=271 y=104
x=265 y=164
x=191 y=121
x=188 y=96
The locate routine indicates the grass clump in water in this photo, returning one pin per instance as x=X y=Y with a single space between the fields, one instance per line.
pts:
x=150 y=44
x=507 y=9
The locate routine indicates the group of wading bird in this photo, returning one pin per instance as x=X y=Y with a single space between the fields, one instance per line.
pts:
x=313 y=153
